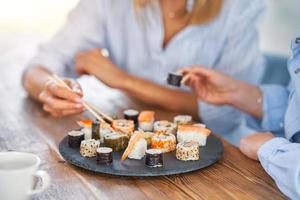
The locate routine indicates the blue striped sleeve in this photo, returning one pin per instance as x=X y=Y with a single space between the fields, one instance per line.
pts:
x=279 y=158
x=275 y=102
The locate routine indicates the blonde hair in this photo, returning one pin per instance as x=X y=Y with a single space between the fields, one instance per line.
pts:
x=203 y=11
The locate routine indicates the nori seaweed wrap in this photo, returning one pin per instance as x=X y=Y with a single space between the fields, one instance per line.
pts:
x=116 y=141
x=75 y=138
x=104 y=156
x=174 y=79
x=154 y=158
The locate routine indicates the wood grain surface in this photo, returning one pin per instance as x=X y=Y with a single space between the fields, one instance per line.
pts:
x=25 y=127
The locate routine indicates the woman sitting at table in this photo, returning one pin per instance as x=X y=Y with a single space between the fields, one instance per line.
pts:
x=272 y=105
x=146 y=39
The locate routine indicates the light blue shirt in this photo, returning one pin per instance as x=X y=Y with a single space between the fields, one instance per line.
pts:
x=229 y=44
x=280 y=157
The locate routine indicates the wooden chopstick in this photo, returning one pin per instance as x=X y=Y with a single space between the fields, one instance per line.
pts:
x=185 y=79
x=105 y=116
x=61 y=83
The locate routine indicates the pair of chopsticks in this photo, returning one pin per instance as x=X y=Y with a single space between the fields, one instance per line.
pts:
x=98 y=114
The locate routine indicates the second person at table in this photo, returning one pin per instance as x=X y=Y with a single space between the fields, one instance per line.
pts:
x=275 y=107
x=147 y=39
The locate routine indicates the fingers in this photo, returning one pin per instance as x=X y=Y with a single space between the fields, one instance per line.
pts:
x=199 y=71
x=58 y=104
x=61 y=113
x=75 y=86
x=57 y=91
x=59 y=101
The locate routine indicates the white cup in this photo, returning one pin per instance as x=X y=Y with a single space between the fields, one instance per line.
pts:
x=17 y=175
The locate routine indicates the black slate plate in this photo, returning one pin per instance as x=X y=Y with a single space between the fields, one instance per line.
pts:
x=209 y=154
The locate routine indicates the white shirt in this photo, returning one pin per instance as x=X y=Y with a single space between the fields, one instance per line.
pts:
x=229 y=43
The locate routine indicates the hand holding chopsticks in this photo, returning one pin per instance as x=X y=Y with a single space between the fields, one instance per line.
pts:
x=91 y=108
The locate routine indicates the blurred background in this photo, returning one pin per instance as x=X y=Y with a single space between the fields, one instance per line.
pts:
x=25 y=23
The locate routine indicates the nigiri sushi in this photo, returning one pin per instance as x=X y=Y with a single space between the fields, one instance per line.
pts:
x=191 y=133
x=86 y=128
x=85 y=123
x=137 y=147
x=146 y=120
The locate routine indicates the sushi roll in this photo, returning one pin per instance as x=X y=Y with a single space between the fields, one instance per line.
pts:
x=132 y=115
x=183 y=120
x=148 y=137
x=116 y=140
x=174 y=79
x=154 y=158
x=104 y=156
x=75 y=138
x=89 y=147
x=164 y=126
x=146 y=120
x=165 y=142
x=191 y=133
x=137 y=147
x=105 y=129
x=96 y=130
x=187 y=151
x=124 y=126
x=86 y=128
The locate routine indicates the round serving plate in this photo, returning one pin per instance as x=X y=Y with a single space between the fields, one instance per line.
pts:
x=209 y=154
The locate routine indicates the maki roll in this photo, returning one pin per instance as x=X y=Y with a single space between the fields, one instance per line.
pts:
x=183 y=120
x=104 y=156
x=146 y=120
x=123 y=125
x=136 y=148
x=75 y=138
x=164 y=126
x=96 y=130
x=148 y=137
x=105 y=129
x=187 y=151
x=117 y=141
x=165 y=142
x=191 y=133
x=174 y=79
x=154 y=158
x=132 y=115
x=89 y=147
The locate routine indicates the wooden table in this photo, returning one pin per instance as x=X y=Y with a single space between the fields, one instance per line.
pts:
x=25 y=127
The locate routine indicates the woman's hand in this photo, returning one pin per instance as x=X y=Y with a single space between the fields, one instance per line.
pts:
x=216 y=88
x=211 y=86
x=60 y=102
x=251 y=144
x=94 y=63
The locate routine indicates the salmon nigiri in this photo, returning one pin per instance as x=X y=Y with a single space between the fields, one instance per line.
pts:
x=136 y=148
x=192 y=133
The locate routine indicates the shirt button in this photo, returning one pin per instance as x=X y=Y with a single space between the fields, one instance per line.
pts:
x=298 y=40
x=281 y=125
x=297 y=71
